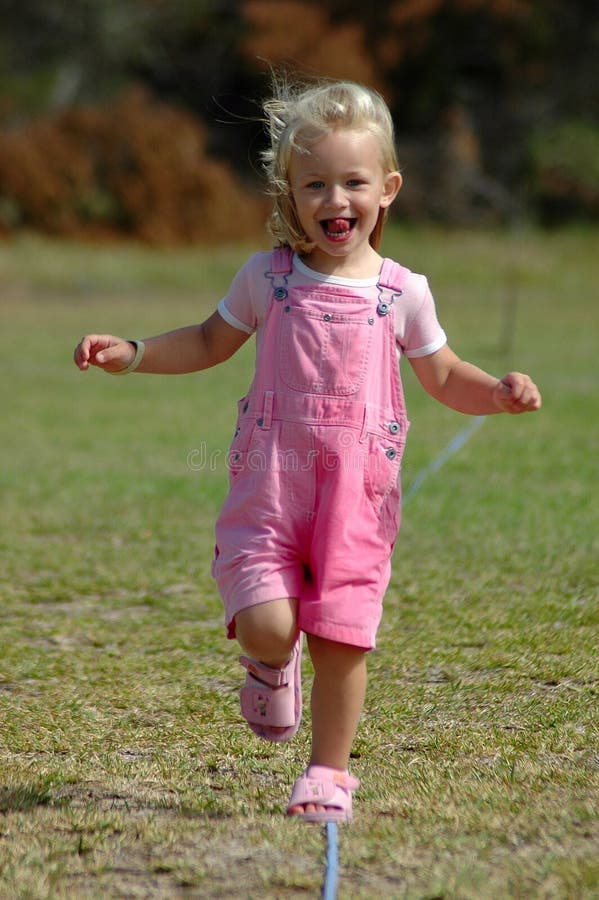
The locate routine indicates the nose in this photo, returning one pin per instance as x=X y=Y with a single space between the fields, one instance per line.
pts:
x=337 y=198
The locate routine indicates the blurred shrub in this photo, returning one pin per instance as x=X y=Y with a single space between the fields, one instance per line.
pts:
x=139 y=168
x=565 y=171
x=293 y=32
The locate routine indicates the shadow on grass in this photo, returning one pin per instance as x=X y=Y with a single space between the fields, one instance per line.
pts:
x=16 y=797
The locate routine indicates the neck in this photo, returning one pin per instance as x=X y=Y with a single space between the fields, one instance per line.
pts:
x=366 y=266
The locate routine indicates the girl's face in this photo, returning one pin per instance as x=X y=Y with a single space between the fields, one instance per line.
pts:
x=339 y=186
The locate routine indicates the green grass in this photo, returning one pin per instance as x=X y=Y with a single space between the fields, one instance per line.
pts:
x=125 y=768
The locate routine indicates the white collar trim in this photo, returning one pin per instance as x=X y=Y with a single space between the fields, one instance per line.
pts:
x=333 y=279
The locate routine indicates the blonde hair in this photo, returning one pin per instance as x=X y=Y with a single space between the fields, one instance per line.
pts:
x=295 y=117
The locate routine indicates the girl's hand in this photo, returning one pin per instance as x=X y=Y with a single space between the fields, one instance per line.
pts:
x=107 y=352
x=516 y=393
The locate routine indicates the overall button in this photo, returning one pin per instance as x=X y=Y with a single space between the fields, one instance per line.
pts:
x=390 y=453
x=383 y=308
x=280 y=293
x=394 y=427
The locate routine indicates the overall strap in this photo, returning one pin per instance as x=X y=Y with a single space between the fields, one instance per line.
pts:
x=393 y=276
x=281 y=264
x=281 y=261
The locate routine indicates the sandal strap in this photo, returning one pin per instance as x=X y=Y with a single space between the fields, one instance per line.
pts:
x=325 y=786
x=266 y=674
x=342 y=779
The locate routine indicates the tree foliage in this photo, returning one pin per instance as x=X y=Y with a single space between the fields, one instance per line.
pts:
x=476 y=87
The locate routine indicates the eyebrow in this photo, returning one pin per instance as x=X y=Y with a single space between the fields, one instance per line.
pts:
x=318 y=173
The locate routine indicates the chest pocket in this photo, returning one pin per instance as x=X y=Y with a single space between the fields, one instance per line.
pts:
x=324 y=351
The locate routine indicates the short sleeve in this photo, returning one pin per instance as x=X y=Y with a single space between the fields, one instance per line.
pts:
x=245 y=304
x=420 y=332
x=232 y=319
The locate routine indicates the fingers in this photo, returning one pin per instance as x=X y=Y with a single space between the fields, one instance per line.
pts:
x=88 y=347
x=82 y=352
x=104 y=351
x=517 y=393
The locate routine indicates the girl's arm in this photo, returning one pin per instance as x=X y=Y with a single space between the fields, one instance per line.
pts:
x=467 y=389
x=177 y=352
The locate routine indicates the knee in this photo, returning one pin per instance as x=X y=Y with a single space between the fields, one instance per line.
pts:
x=330 y=655
x=268 y=632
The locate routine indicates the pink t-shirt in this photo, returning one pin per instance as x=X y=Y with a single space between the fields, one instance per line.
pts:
x=417 y=329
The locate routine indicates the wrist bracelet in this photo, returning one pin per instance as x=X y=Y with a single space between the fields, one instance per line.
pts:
x=140 y=349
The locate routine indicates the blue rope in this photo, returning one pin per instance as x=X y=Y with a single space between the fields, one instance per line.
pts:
x=452 y=447
x=329 y=890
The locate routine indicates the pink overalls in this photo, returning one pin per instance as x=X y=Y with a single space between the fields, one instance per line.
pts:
x=314 y=504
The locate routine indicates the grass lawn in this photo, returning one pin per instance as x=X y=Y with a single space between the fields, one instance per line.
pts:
x=126 y=770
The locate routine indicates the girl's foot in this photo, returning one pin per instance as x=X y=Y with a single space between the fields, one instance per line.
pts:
x=271 y=699
x=322 y=794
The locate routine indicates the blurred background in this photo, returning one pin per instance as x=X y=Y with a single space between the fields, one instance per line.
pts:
x=140 y=118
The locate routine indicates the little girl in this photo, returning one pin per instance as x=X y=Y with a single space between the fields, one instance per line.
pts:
x=305 y=536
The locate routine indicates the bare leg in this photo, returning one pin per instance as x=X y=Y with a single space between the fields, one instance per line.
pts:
x=337 y=702
x=267 y=632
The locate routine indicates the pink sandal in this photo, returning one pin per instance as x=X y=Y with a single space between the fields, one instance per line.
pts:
x=271 y=699
x=325 y=787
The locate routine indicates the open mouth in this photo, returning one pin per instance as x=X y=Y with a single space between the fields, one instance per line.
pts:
x=338 y=229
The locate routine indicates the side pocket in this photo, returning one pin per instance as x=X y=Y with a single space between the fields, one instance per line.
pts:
x=237 y=452
x=214 y=561
x=381 y=472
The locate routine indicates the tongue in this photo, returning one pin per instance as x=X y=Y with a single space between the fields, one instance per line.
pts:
x=337 y=226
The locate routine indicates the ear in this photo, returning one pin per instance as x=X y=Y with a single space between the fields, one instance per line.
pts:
x=391 y=188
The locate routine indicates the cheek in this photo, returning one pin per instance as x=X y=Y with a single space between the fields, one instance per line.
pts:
x=305 y=208
x=299 y=216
